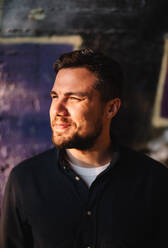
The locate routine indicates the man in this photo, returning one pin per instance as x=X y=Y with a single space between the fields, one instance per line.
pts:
x=89 y=191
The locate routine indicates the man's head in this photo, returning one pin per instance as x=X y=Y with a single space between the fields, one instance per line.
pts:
x=85 y=97
x=108 y=72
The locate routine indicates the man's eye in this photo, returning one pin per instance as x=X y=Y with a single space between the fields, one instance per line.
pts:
x=54 y=96
x=75 y=98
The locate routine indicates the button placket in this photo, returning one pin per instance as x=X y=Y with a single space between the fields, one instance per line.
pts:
x=77 y=178
x=89 y=213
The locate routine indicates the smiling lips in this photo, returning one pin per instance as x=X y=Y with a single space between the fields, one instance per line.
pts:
x=61 y=126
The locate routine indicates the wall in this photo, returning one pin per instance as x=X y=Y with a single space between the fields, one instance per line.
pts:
x=131 y=31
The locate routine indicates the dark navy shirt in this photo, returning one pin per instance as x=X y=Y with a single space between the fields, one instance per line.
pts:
x=47 y=205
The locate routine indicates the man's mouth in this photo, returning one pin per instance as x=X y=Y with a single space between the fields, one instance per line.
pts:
x=61 y=126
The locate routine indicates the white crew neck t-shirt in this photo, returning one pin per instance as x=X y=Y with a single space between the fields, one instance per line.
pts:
x=90 y=174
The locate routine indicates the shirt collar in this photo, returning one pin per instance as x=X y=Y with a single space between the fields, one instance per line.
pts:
x=62 y=161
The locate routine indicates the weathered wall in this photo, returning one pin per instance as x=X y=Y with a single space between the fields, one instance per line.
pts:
x=132 y=31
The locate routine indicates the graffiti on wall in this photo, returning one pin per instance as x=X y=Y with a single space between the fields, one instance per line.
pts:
x=160 y=117
x=26 y=78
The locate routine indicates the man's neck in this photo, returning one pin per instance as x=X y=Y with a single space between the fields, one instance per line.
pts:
x=90 y=158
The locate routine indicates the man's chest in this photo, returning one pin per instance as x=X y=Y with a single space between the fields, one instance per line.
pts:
x=112 y=217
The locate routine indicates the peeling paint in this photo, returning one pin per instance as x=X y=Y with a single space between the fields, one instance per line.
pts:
x=37 y=14
x=36 y=104
x=4 y=152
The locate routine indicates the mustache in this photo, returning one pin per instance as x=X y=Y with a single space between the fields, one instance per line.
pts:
x=61 y=120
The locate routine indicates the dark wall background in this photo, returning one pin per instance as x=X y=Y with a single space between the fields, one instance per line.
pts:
x=131 y=31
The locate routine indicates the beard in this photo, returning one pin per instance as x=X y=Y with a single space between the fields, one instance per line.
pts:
x=76 y=140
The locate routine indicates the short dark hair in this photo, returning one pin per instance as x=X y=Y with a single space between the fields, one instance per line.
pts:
x=107 y=70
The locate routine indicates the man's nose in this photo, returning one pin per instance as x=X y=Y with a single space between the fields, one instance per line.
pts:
x=60 y=108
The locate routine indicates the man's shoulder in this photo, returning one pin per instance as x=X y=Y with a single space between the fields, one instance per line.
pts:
x=140 y=160
x=142 y=169
x=37 y=162
x=32 y=172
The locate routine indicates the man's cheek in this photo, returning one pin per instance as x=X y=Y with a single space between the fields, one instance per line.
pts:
x=51 y=113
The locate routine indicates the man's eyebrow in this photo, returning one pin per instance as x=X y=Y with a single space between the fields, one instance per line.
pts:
x=77 y=93
x=52 y=92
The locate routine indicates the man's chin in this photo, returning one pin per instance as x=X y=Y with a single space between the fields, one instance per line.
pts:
x=75 y=142
x=59 y=142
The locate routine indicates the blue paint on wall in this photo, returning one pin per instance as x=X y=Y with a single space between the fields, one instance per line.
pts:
x=26 y=77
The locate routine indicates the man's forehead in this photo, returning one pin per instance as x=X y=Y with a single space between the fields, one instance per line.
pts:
x=74 y=79
x=80 y=73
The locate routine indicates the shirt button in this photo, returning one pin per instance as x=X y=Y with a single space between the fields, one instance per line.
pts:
x=89 y=212
x=77 y=178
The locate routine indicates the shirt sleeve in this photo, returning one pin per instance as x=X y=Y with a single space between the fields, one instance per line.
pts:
x=14 y=231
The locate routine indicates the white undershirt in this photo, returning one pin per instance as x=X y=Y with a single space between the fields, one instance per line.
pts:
x=90 y=174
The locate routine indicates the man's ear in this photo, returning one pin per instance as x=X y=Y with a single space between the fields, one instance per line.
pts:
x=113 y=107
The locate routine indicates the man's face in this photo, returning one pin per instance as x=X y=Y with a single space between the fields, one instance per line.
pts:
x=76 y=112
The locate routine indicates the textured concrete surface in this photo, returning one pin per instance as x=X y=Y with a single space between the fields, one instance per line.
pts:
x=68 y=16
